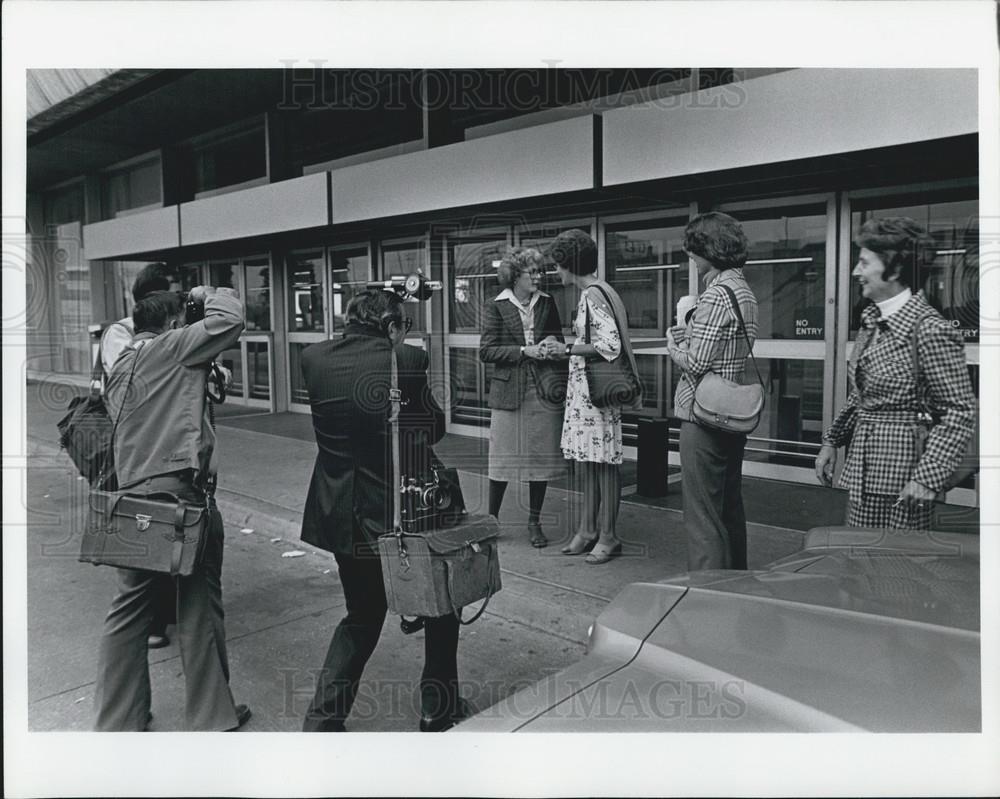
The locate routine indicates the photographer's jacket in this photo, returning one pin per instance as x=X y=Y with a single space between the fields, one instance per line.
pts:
x=348 y=381
x=165 y=426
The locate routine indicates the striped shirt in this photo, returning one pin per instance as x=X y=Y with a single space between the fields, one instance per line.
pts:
x=714 y=340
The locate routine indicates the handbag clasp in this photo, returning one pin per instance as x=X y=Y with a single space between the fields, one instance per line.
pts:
x=142 y=522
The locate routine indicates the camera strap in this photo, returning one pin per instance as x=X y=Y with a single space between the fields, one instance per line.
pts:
x=395 y=404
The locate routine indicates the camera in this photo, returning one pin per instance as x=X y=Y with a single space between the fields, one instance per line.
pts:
x=436 y=502
x=194 y=310
x=412 y=286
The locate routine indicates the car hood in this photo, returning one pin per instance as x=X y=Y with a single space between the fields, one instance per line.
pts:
x=832 y=638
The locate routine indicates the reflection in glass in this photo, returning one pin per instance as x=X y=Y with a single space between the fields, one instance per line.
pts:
x=469 y=387
x=297 y=381
x=792 y=424
x=222 y=274
x=647 y=265
x=233 y=361
x=305 y=292
x=786 y=270
x=403 y=259
x=258 y=295
x=350 y=272
x=258 y=370
x=951 y=281
x=474 y=277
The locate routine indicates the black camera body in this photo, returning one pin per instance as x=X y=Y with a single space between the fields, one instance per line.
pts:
x=194 y=310
x=431 y=503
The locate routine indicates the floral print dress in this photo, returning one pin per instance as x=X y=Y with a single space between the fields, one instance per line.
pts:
x=589 y=433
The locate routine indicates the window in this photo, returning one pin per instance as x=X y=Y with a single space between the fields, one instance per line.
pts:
x=951 y=280
x=402 y=259
x=474 y=278
x=257 y=298
x=647 y=265
x=350 y=268
x=786 y=269
x=230 y=161
x=470 y=387
x=132 y=188
x=792 y=423
x=305 y=292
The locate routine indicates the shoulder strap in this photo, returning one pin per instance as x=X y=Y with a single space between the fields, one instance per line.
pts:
x=396 y=402
x=121 y=410
x=915 y=357
x=739 y=318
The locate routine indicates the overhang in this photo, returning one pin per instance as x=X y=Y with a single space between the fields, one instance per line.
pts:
x=798 y=114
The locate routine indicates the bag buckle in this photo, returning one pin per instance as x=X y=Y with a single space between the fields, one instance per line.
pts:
x=142 y=522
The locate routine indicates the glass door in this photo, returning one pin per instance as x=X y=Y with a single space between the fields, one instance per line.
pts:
x=305 y=273
x=791 y=243
x=470 y=268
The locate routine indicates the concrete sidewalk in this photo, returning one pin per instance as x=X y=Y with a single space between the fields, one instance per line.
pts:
x=281 y=611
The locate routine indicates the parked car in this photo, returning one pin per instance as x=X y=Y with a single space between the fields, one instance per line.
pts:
x=862 y=630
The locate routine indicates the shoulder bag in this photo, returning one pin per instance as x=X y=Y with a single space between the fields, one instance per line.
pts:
x=85 y=432
x=156 y=532
x=722 y=404
x=611 y=384
x=968 y=465
x=433 y=572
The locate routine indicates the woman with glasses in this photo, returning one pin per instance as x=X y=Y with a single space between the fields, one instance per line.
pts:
x=526 y=391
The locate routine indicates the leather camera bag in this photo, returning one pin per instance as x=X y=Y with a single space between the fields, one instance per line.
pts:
x=156 y=532
x=968 y=465
x=723 y=404
x=612 y=384
x=435 y=572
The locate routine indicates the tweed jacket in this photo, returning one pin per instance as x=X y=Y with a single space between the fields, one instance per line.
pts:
x=348 y=504
x=500 y=344
x=879 y=424
x=714 y=341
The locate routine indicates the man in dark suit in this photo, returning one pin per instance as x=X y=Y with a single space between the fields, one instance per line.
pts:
x=350 y=502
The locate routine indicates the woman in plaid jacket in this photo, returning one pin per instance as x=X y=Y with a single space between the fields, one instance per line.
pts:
x=893 y=474
x=712 y=460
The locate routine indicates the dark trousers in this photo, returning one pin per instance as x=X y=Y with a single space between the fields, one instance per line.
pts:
x=122 y=697
x=712 y=463
x=354 y=641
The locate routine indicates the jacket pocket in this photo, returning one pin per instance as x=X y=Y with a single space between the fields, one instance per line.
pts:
x=501 y=373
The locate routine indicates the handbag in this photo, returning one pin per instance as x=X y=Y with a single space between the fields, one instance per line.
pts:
x=723 y=404
x=611 y=384
x=85 y=433
x=157 y=532
x=437 y=571
x=968 y=465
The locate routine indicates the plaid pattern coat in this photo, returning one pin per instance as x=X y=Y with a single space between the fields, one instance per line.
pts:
x=879 y=424
x=714 y=341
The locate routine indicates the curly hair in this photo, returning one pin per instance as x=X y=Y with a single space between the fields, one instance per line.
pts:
x=574 y=251
x=718 y=238
x=516 y=262
x=154 y=277
x=900 y=243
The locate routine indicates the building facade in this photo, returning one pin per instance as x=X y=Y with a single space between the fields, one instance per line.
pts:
x=299 y=186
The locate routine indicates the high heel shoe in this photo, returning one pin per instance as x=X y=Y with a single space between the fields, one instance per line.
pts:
x=579 y=544
x=602 y=553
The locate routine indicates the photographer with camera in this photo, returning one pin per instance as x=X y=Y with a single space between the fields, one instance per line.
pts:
x=351 y=496
x=164 y=442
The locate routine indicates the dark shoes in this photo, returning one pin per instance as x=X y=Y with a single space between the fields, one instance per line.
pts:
x=242 y=717
x=442 y=723
x=157 y=641
x=538 y=539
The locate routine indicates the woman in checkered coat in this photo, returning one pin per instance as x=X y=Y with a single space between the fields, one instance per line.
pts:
x=898 y=458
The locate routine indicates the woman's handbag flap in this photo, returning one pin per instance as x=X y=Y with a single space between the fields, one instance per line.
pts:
x=717 y=396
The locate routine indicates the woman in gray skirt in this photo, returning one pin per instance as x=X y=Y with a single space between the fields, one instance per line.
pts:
x=527 y=390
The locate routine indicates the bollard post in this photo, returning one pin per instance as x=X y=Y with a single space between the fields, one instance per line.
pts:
x=651 y=458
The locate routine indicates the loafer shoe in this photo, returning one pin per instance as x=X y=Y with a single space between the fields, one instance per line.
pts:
x=243 y=715
x=157 y=641
x=442 y=723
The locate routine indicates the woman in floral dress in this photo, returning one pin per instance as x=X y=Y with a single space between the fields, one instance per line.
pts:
x=591 y=436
